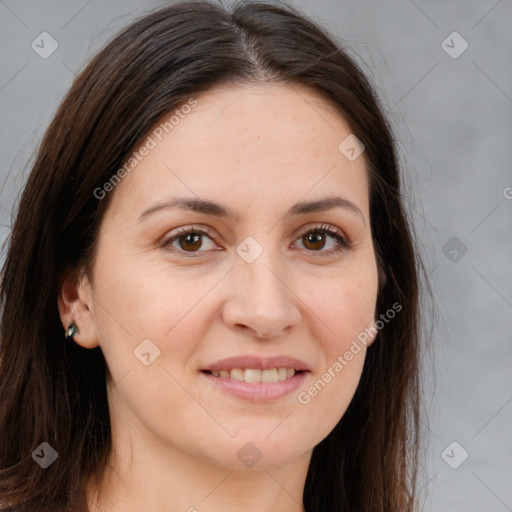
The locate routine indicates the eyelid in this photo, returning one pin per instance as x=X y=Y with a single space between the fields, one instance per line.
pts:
x=323 y=227
x=185 y=230
x=194 y=228
x=344 y=242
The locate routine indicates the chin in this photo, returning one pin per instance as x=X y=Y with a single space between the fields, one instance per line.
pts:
x=258 y=452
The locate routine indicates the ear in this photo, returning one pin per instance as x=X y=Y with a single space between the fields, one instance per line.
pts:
x=75 y=304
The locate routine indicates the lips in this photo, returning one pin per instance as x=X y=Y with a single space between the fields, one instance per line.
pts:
x=254 y=390
x=257 y=363
x=257 y=378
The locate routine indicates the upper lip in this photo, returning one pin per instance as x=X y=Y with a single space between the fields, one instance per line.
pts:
x=257 y=362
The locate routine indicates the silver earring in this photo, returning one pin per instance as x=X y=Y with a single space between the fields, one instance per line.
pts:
x=72 y=330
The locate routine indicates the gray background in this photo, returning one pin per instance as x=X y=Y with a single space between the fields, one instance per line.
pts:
x=453 y=120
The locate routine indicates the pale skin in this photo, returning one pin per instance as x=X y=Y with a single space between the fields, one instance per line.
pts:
x=256 y=150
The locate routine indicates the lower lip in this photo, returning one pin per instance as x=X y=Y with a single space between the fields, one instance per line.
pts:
x=260 y=391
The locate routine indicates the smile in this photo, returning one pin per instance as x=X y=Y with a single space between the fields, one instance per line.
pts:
x=248 y=384
x=255 y=375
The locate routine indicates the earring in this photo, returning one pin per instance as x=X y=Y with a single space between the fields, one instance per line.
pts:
x=72 y=330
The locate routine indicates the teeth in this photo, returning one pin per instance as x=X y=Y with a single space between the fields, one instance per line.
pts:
x=252 y=376
x=237 y=374
x=255 y=375
x=269 y=375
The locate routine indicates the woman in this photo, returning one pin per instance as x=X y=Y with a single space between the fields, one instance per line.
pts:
x=210 y=294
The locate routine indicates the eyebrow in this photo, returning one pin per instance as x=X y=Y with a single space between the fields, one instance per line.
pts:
x=217 y=210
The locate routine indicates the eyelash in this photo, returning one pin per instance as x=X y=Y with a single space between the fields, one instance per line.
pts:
x=343 y=243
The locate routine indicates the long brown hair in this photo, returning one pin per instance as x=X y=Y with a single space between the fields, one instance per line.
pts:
x=55 y=391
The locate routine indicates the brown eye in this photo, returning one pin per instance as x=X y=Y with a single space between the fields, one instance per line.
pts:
x=190 y=241
x=314 y=240
x=324 y=237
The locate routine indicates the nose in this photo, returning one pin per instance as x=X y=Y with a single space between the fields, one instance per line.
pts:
x=261 y=301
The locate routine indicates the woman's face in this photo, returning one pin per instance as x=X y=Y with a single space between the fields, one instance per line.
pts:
x=251 y=287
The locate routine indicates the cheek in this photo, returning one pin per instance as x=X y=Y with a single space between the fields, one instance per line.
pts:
x=151 y=304
x=133 y=304
x=344 y=306
x=343 y=310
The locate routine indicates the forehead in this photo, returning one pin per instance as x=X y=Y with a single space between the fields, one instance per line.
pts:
x=244 y=142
